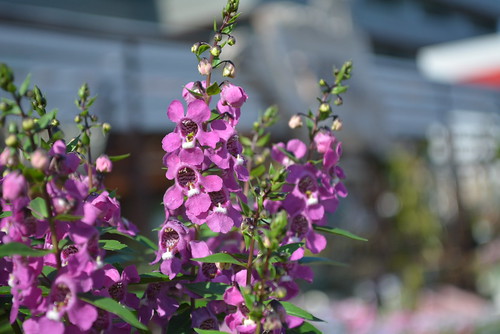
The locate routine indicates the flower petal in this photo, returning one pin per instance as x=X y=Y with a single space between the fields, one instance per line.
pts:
x=171 y=142
x=198 y=111
x=173 y=198
x=297 y=147
x=198 y=204
x=193 y=156
x=175 y=111
x=211 y=183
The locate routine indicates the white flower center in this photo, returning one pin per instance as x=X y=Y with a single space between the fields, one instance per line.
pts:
x=312 y=200
x=239 y=160
x=220 y=208
x=11 y=280
x=248 y=322
x=286 y=278
x=168 y=255
x=53 y=314
x=295 y=239
x=193 y=191
x=188 y=144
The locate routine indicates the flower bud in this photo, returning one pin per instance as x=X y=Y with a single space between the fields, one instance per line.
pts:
x=11 y=140
x=4 y=106
x=106 y=127
x=94 y=118
x=323 y=83
x=103 y=164
x=195 y=47
x=78 y=119
x=231 y=41
x=295 y=122
x=13 y=128
x=215 y=51
x=28 y=124
x=337 y=125
x=324 y=107
x=229 y=70
x=204 y=66
x=54 y=122
x=40 y=159
x=218 y=37
x=338 y=101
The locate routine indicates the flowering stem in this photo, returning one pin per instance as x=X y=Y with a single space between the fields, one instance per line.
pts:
x=53 y=231
x=17 y=99
x=250 y=260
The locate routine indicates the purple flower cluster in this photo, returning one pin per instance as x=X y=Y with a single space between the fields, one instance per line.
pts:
x=62 y=209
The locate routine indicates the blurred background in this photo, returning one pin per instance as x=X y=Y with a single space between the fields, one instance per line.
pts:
x=421 y=130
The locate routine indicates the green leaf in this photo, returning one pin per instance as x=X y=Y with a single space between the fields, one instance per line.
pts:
x=5 y=214
x=339 y=89
x=208 y=290
x=296 y=311
x=112 y=245
x=39 y=208
x=264 y=140
x=67 y=217
x=305 y=328
x=258 y=171
x=214 y=89
x=71 y=146
x=45 y=120
x=17 y=248
x=202 y=48
x=321 y=260
x=277 y=196
x=181 y=323
x=215 y=25
x=5 y=290
x=115 y=158
x=153 y=277
x=338 y=231
x=206 y=331
x=244 y=207
x=290 y=248
x=245 y=141
x=114 y=307
x=25 y=85
x=146 y=242
x=219 y=258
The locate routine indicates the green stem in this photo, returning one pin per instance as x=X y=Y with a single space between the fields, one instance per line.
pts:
x=53 y=230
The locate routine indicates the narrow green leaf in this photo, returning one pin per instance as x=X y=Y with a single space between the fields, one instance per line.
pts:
x=206 y=331
x=305 y=328
x=339 y=89
x=5 y=290
x=245 y=141
x=25 y=85
x=112 y=245
x=338 y=231
x=219 y=258
x=114 y=307
x=39 y=208
x=208 y=290
x=277 y=196
x=5 y=214
x=67 y=217
x=215 y=25
x=214 y=89
x=258 y=171
x=115 y=158
x=146 y=242
x=17 y=248
x=264 y=140
x=153 y=277
x=244 y=207
x=46 y=119
x=296 y=311
x=71 y=146
x=202 y=48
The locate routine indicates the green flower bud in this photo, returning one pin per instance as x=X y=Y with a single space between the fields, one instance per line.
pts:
x=55 y=122
x=13 y=128
x=195 y=47
x=323 y=83
x=324 y=107
x=231 y=41
x=338 y=101
x=93 y=118
x=215 y=51
x=84 y=92
x=218 y=37
x=229 y=70
x=106 y=127
x=85 y=138
x=28 y=124
x=78 y=119
x=4 y=106
x=11 y=140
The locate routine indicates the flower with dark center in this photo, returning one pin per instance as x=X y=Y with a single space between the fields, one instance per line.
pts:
x=67 y=252
x=186 y=177
x=209 y=324
x=209 y=270
x=169 y=240
x=117 y=291
x=299 y=226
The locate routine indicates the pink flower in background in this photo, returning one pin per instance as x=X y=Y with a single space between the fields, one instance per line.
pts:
x=103 y=164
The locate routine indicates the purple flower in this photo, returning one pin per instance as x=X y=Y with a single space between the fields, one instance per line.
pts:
x=116 y=285
x=103 y=164
x=172 y=240
x=203 y=318
x=189 y=128
x=63 y=162
x=157 y=304
x=229 y=156
x=301 y=228
x=233 y=96
x=13 y=186
x=295 y=147
x=197 y=87
x=63 y=300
